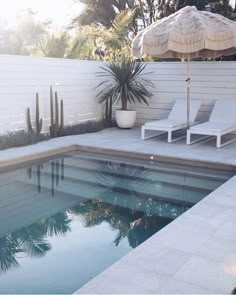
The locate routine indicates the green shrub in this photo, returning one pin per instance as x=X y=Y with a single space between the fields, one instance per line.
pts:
x=85 y=127
x=20 y=138
x=23 y=137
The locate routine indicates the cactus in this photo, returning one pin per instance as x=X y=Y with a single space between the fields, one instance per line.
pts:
x=56 y=128
x=38 y=121
x=56 y=111
x=62 y=118
x=30 y=128
x=51 y=106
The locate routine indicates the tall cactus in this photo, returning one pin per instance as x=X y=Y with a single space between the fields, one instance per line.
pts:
x=29 y=124
x=51 y=106
x=62 y=118
x=57 y=121
x=38 y=121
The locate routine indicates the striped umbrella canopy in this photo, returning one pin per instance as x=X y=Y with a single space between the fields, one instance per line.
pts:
x=188 y=33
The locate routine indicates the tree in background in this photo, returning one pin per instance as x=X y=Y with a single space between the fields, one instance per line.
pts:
x=167 y=7
x=101 y=12
x=98 y=42
x=103 y=31
x=32 y=37
x=52 y=45
x=223 y=7
x=22 y=38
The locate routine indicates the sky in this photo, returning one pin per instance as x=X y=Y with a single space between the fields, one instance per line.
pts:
x=60 y=11
x=232 y=2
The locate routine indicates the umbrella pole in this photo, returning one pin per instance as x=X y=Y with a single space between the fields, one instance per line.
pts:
x=188 y=92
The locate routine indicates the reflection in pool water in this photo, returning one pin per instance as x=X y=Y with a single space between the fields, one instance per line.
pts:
x=68 y=219
x=31 y=241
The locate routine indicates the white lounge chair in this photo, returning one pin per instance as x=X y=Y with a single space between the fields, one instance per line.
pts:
x=221 y=122
x=176 y=120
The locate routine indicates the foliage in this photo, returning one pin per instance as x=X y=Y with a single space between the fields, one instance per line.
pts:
x=84 y=127
x=101 y=12
x=23 y=137
x=103 y=29
x=31 y=36
x=106 y=27
x=167 y=7
x=102 y=43
x=24 y=38
x=223 y=7
x=52 y=45
x=124 y=83
x=20 y=138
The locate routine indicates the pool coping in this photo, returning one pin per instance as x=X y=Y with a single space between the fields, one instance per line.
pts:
x=34 y=157
x=113 y=281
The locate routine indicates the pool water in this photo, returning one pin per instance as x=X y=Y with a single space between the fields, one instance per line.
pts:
x=65 y=220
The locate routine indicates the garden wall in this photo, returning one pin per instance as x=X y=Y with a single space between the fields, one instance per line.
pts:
x=21 y=77
x=210 y=81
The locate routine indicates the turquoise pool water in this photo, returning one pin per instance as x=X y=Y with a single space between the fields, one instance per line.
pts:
x=65 y=220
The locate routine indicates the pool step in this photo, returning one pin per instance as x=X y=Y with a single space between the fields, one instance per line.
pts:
x=27 y=194
x=165 y=174
x=157 y=166
x=142 y=187
x=148 y=204
x=22 y=204
x=146 y=175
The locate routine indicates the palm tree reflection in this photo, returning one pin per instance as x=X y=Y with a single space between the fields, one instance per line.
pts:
x=132 y=215
x=31 y=241
x=8 y=251
x=57 y=225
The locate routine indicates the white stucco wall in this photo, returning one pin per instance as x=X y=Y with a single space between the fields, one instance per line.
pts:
x=209 y=81
x=22 y=76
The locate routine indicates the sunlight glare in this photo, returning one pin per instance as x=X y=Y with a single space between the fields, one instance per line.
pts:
x=60 y=11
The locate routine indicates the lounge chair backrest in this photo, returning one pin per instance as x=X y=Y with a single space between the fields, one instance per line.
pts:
x=179 y=110
x=224 y=111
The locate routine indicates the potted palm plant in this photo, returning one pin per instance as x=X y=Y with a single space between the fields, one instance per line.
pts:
x=125 y=84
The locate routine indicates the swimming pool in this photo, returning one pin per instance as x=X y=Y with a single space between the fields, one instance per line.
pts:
x=66 y=219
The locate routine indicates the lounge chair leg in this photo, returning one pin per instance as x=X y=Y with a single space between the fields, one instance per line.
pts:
x=142 y=133
x=218 y=141
x=188 y=137
x=169 y=136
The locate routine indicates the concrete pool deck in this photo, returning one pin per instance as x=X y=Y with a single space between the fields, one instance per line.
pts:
x=196 y=253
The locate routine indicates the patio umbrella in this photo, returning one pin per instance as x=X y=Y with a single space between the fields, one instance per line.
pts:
x=187 y=34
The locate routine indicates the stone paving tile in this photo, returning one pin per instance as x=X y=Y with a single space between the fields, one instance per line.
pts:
x=173 y=286
x=218 y=249
x=130 y=140
x=226 y=231
x=207 y=274
x=132 y=283
x=192 y=255
x=214 y=214
x=225 y=199
x=183 y=239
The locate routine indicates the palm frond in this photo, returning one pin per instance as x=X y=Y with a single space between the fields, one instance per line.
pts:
x=122 y=22
x=124 y=82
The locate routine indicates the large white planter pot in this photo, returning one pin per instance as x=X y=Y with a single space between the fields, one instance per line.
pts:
x=125 y=119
